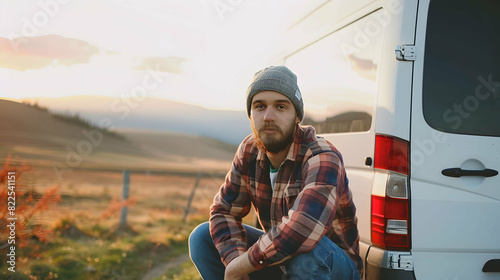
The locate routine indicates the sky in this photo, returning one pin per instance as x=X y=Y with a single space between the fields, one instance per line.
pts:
x=202 y=52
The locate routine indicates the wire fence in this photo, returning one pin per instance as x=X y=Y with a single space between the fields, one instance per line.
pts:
x=200 y=192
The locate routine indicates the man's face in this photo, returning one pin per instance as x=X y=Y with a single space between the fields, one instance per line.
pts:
x=273 y=120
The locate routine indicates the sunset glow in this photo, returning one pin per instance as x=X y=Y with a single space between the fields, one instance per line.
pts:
x=204 y=52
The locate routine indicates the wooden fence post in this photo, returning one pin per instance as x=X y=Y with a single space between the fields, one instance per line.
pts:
x=123 y=216
x=191 y=196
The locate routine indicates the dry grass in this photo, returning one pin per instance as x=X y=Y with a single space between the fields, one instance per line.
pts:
x=86 y=195
x=91 y=190
x=89 y=200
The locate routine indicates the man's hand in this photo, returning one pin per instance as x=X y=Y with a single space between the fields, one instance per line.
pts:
x=239 y=268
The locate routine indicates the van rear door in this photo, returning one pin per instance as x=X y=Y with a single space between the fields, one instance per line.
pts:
x=455 y=141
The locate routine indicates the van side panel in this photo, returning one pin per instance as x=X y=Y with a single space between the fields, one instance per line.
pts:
x=378 y=28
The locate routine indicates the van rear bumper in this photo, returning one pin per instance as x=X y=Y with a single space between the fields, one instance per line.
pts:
x=379 y=267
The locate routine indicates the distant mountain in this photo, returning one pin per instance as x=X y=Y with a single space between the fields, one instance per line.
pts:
x=155 y=114
x=39 y=138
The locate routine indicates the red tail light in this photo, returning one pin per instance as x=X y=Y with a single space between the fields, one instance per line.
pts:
x=390 y=203
x=391 y=153
x=390 y=223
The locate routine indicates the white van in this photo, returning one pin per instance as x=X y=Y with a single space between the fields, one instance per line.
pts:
x=409 y=92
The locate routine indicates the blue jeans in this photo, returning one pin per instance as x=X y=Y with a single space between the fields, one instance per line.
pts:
x=325 y=261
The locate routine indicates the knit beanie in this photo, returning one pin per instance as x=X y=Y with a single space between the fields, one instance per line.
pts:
x=279 y=79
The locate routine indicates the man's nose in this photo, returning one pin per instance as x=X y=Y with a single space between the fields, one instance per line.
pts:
x=269 y=114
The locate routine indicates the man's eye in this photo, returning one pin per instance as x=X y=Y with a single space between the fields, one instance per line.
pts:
x=258 y=107
x=281 y=107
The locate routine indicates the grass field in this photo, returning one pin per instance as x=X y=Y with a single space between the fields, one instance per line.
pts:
x=79 y=237
x=85 y=242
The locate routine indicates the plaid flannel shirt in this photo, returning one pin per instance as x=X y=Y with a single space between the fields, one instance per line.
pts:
x=311 y=199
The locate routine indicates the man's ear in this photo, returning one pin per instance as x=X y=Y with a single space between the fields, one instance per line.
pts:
x=297 y=119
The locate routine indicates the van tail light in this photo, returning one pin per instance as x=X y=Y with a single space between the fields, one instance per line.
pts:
x=390 y=209
x=391 y=153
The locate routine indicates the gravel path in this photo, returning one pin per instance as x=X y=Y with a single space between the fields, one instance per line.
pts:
x=162 y=268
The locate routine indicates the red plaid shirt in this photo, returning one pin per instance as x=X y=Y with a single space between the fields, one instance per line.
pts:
x=311 y=199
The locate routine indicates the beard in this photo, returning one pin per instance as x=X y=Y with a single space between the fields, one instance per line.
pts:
x=273 y=144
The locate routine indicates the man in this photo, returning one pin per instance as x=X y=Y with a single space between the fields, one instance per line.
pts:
x=297 y=185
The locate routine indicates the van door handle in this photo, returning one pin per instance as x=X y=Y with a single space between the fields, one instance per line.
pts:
x=492 y=266
x=458 y=172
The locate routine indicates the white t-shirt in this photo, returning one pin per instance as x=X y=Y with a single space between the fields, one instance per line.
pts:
x=273 y=174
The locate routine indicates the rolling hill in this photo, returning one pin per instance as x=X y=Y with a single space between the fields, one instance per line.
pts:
x=39 y=138
x=154 y=114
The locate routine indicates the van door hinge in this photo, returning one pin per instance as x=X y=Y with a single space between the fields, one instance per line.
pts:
x=400 y=261
x=406 y=52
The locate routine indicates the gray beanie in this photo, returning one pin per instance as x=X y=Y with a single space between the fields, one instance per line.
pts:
x=279 y=79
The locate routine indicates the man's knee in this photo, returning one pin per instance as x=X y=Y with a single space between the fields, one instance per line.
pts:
x=198 y=239
x=200 y=231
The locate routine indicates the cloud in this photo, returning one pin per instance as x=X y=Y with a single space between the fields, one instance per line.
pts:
x=171 y=64
x=25 y=53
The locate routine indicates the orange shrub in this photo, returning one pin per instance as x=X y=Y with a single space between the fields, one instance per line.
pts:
x=22 y=207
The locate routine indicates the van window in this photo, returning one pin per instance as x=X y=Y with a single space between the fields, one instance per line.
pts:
x=338 y=76
x=461 y=81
